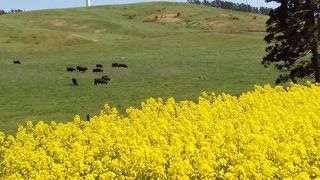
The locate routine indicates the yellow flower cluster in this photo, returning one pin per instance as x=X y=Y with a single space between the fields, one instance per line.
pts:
x=268 y=133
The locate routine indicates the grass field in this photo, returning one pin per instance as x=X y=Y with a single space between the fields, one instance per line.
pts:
x=190 y=50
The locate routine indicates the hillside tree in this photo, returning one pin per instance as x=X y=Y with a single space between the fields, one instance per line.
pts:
x=293 y=38
x=12 y=11
x=232 y=6
x=2 y=12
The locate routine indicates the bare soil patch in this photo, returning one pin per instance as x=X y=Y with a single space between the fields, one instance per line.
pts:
x=57 y=22
x=163 y=18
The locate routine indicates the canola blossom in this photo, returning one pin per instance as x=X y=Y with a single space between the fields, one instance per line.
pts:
x=267 y=133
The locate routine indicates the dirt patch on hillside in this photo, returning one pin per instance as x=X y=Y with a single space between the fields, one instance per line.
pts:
x=163 y=18
x=57 y=22
x=82 y=27
x=99 y=30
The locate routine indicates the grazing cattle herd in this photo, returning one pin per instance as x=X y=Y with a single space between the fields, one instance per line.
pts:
x=105 y=79
x=98 y=69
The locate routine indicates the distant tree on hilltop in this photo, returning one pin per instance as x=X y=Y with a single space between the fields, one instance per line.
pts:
x=2 y=12
x=293 y=38
x=15 y=11
x=12 y=11
x=232 y=6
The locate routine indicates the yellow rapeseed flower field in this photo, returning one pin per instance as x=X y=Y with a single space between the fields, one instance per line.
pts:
x=268 y=133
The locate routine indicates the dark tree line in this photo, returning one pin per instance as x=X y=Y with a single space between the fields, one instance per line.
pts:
x=232 y=6
x=10 y=12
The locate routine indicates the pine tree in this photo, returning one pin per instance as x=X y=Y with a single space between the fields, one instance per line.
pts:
x=293 y=39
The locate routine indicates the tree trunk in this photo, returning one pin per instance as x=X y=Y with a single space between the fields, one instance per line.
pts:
x=315 y=61
x=315 y=52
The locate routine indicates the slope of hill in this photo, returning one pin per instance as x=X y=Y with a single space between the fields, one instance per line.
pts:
x=52 y=28
x=172 y=49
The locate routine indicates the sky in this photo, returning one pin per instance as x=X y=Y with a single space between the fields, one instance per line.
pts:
x=50 y=4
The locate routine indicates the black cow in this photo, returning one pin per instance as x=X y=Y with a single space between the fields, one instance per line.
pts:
x=106 y=78
x=16 y=62
x=99 y=66
x=82 y=69
x=119 y=65
x=70 y=69
x=123 y=65
x=100 y=81
x=97 y=70
x=74 y=82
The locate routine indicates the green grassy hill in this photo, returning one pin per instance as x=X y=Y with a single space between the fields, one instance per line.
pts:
x=172 y=49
